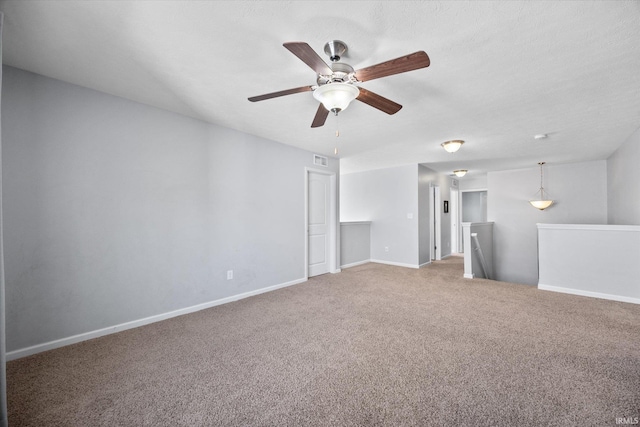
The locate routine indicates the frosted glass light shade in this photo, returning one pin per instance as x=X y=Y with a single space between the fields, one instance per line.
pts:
x=336 y=96
x=452 y=146
x=541 y=204
x=460 y=173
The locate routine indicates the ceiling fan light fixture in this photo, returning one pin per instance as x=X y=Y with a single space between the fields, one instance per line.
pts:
x=336 y=96
x=460 y=172
x=453 y=145
x=335 y=84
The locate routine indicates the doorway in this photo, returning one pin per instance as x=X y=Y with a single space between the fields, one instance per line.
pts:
x=320 y=223
x=474 y=206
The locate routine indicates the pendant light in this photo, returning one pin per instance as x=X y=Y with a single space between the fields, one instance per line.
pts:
x=541 y=203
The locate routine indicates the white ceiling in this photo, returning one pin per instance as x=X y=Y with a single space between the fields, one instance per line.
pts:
x=500 y=72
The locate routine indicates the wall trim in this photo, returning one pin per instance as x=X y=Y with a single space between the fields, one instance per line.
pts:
x=589 y=294
x=424 y=263
x=38 y=348
x=592 y=227
x=469 y=276
x=353 y=264
x=397 y=264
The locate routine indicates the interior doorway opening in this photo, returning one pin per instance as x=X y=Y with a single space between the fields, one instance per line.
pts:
x=474 y=206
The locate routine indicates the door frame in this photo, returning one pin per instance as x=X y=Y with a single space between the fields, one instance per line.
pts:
x=435 y=225
x=332 y=218
x=456 y=229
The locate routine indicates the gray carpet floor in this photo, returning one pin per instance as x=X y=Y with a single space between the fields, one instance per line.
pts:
x=375 y=345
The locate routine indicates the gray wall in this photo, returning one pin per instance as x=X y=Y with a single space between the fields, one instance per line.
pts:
x=468 y=182
x=474 y=206
x=355 y=243
x=116 y=211
x=623 y=185
x=580 y=192
x=385 y=197
x=592 y=260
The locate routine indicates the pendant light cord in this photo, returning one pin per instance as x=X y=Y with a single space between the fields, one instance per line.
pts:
x=541 y=187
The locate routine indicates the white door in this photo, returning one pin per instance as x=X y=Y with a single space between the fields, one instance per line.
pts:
x=319 y=227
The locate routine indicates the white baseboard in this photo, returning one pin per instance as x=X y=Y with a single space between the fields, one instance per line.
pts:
x=589 y=294
x=397 y=264
x=28 y=351
x=353 y=264
x=469 y=275
x=423 y=264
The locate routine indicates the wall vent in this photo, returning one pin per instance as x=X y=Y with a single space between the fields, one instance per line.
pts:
x=320 y=160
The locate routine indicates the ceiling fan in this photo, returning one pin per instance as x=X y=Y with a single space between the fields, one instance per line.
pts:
x=336 y=84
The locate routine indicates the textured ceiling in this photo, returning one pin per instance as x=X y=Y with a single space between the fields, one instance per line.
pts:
x=500 y=72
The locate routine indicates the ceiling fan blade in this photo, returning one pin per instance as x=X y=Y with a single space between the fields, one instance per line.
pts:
x=377 y=101
x=281 y=93
x=321 y=117
x=303 y=51
x=410 y=62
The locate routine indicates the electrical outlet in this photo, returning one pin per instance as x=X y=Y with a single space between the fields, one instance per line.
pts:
x=229 y=274
x=386 y=248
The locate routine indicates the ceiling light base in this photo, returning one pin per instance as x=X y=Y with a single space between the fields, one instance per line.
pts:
x=335 y=49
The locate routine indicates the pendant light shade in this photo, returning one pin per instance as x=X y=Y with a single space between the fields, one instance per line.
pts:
x=541 y=203
x=336 y=96
x=460 y=172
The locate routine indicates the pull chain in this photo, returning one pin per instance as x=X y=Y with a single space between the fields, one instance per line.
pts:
x=335 y=150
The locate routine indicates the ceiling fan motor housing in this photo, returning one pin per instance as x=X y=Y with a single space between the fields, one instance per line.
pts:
x=342 y=73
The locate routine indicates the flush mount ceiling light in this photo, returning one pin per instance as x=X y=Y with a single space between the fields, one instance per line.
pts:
x=452 y=146
x=460 y=172
x=336 y=97
x=541 y=203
